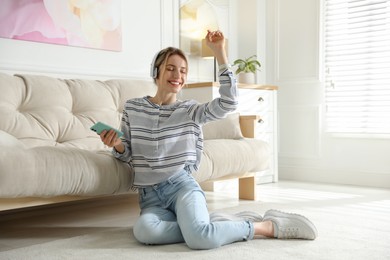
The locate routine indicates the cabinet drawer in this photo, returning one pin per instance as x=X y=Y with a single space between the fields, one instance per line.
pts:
x=265 y=124
x=255 y=101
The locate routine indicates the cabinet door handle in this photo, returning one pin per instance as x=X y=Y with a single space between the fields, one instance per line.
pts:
x=261 y=99
x=260 y=121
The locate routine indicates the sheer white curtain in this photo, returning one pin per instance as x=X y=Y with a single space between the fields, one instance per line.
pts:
x=357 y=66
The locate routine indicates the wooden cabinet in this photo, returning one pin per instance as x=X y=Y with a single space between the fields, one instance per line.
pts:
x=259 y=100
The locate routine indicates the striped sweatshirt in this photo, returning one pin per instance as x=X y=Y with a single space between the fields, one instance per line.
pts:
x=162 y=140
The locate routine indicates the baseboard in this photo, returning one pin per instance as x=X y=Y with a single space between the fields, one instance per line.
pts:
x=335 y=176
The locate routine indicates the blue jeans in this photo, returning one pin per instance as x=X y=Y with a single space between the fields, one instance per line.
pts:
x=175 y=211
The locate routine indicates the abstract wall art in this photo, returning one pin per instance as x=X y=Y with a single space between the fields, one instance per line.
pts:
x=82 y=23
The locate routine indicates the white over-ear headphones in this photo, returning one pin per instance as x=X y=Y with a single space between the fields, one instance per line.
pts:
x=153 y=68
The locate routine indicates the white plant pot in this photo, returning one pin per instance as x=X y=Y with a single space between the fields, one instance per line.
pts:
x=246 y=78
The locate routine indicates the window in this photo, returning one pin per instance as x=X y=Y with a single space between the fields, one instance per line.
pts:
x=357 y=66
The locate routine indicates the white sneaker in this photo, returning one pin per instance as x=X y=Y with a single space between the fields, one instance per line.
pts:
x=290 y=225
x=240 y=216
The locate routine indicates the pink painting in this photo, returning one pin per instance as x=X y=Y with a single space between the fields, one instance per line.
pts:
x=83 y=23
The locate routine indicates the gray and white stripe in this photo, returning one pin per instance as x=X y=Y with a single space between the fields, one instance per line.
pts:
x=162 y=140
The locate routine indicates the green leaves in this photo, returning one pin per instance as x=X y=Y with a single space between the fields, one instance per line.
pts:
x=247 y=65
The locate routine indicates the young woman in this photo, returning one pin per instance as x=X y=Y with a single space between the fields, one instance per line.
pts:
x=163 y=144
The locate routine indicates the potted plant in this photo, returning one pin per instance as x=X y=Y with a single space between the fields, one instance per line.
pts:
x=246 y=69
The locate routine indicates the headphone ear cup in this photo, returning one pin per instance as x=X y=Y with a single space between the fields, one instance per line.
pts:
x=155 y=73
x=153 y=68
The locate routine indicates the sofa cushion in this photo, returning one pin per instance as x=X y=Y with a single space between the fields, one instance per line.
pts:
x=55 y=171
x=46 y=111
x=228 y=158
x=226 y=128
x=7 y=140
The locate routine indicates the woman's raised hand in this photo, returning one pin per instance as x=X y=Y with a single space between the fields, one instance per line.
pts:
x=216 y=41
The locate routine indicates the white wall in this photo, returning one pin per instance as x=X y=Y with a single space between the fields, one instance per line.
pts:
x=147 y=26
x=306 y=152
x=250 y=34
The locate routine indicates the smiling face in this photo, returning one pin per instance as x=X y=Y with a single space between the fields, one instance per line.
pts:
x=172 y=75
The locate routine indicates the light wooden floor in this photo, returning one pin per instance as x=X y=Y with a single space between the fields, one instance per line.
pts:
x=42 y=225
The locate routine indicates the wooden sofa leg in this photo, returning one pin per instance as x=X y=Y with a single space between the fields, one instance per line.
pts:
x=247 y=188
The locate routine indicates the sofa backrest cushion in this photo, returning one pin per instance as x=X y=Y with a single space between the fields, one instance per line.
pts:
x=226 y=128
x=45 y=111
x=7 y=140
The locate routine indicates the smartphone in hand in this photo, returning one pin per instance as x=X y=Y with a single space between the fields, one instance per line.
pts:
x=99 y=127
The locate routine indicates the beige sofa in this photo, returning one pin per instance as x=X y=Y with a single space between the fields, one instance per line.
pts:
x=49 y=153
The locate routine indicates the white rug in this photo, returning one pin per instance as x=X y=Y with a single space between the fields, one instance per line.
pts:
x=349 y=228
x=352 y=223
